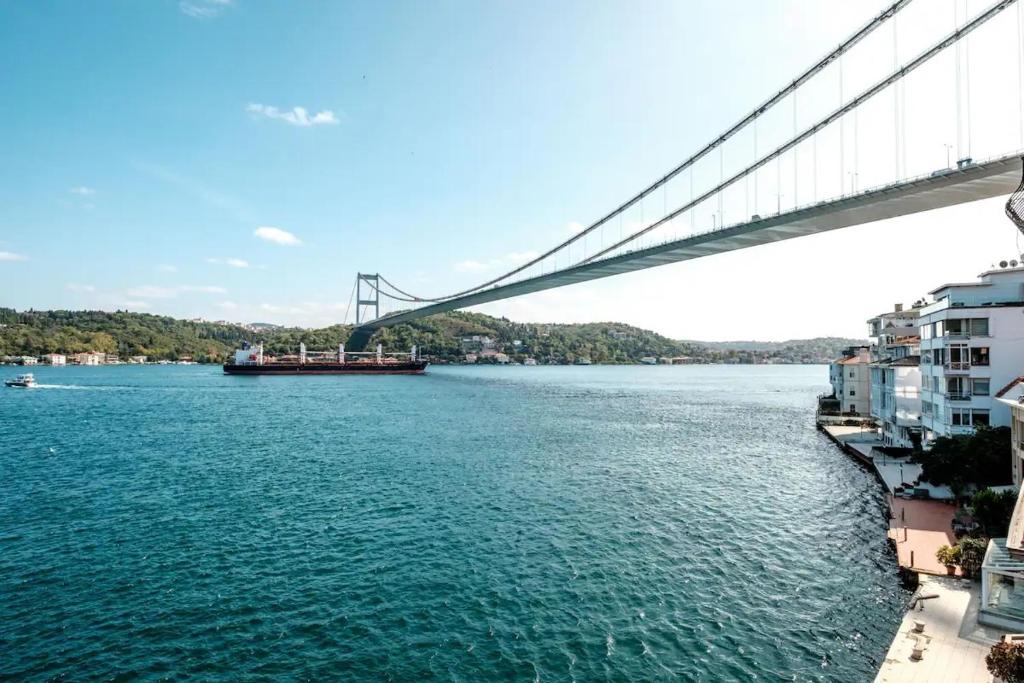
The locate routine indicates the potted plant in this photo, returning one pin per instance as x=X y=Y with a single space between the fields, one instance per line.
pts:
x=949 y=557
x=1005 y=661
x=972 y=554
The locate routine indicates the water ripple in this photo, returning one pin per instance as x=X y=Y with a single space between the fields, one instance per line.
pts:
x=473 y=524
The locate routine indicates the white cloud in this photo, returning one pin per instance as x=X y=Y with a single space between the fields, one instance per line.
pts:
x=203 y=289
x=82 y=191
x=471 y=266
x=11 y=256
x=155 y=292
x=574 y=227
x=167 y=268
x=277 y=236
x=227 y=305
x=233 y=262
x=296 y=116
x=81 y=289
x=203 y=9
x=518 y=257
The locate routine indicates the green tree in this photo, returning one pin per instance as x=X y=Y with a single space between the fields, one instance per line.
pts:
x=981 y=458
x=993 y=511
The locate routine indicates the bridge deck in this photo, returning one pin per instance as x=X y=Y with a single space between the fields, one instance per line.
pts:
x=943 y=188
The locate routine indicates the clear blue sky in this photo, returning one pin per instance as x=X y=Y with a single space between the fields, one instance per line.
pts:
x=146 y=142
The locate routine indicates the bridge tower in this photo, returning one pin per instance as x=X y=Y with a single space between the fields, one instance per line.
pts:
x=371 y=283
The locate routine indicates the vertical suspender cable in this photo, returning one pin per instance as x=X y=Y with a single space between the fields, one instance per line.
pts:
x=959 y=90
x=967 y=85
x=1020 y=69
x=842 y=136
x=895 y=103
x=796 y=195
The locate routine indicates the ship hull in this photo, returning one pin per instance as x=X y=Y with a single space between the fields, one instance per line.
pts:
x=406 y=368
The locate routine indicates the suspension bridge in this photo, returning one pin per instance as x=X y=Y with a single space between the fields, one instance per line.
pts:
x=812 y=150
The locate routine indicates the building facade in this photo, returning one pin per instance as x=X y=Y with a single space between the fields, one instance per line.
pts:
x=1012 y=396
x=896 y=377
x=850 y=378
x=972 y=344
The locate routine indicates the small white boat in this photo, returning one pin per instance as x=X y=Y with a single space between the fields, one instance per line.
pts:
x=26 y=381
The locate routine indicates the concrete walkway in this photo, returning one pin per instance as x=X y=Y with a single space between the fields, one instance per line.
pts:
x=919 y=528
x=955 y=644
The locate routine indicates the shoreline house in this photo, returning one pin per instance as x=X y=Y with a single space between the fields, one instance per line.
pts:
x=850 y=378
x=972 y=343
x=896 y=377
x=1012 y=396
x=55 y=359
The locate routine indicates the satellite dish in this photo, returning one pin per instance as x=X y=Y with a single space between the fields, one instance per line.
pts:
x=1013 y=263
x=1003 y=264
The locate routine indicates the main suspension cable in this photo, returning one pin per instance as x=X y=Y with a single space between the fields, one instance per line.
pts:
x=756 y=113
x=831 y=118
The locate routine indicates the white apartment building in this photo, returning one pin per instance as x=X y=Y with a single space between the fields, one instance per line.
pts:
x=55 y=359
x=850 y=378
x=896 y=400
x=972 y=344
x=90 y=358
x=896 y=377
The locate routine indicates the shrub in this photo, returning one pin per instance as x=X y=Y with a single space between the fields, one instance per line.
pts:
x=1006 y=661
x=972 y=554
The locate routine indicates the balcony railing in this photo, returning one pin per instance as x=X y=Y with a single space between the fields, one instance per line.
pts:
x=957 y=396
x=958 y=366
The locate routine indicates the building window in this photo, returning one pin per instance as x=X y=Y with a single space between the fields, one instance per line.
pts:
x=926 y=331
x=939 y=329
x=979 y=355
x=979 y=387
x=853 y=392
x=851 y=374
x=956 y=327
x=979 y=327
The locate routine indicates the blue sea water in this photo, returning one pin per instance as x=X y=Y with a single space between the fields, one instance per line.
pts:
x=477 y=523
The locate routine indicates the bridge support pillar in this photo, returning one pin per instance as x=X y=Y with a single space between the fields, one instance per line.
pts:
x=367 y=286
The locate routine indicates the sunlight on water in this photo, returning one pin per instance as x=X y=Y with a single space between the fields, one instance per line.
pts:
x=473 y=524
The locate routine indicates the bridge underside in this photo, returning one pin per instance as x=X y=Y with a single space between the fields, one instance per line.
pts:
x=943 y=188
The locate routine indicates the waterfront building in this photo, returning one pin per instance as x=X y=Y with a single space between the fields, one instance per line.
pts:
x=90 y=358
x=137 y=360
x=55 y=359
x=850 y=378
x=896 y=376
x=470 y=357
x=1012 y=396
x=972 y=343
x=28 y=360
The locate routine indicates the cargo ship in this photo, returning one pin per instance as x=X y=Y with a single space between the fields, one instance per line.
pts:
x=251 y=360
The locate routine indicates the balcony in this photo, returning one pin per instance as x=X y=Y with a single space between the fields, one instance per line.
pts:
x=957 y=396
x=958 y=366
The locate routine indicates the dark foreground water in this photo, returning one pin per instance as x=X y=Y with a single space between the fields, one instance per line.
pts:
x=592 y=523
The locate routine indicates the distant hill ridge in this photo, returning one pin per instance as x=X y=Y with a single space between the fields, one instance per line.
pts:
x=34 y=333
x=828 y=342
